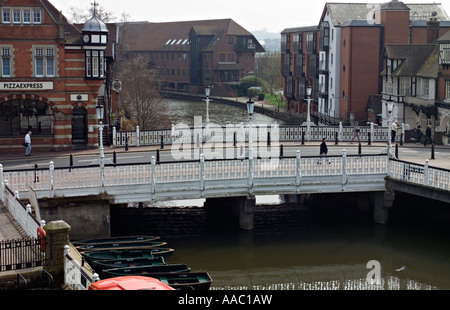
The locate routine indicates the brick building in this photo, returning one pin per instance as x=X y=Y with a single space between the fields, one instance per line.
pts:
x=52 y=77
x=191 y=54
x=351 y=38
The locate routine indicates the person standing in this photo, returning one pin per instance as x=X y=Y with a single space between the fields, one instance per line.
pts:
x=28 y=142
x=394 y=128
x=323 y=151
x=356 y=131
x=428 y=135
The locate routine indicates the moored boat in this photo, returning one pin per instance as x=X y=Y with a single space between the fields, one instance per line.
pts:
x=100 y=265
x=128 y=253
x=144 y=270
x=124 y=239
x=130 y=283
x=185 y=281
x=119 y=245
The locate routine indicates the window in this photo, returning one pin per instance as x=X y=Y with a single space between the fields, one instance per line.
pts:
x=6 y=62
x=36 y=16
x=405 y=86
x=230 y=40
x=95 y=64
x=26 y=16
x=230 y=57
x=6 y=13
x=16 y=16
x=447 y=91
x=45 y=62
x=423 y=88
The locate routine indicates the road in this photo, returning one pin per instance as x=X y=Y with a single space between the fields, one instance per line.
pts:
x=411 y=152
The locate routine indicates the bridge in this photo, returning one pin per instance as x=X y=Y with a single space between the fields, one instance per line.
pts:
x=217 y=180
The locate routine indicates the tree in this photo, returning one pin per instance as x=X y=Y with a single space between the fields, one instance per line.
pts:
x=140 y=99
x=79 y=16
x=269 y=70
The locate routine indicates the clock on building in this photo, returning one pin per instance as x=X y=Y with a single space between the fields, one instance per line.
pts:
x=86 y=38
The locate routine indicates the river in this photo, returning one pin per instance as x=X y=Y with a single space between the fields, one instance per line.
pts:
x=302 y=246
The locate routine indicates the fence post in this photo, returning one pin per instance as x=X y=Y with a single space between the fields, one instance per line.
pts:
x=2 y=185
x=172 y=134
x=52 y=172
x=341 y=131
x=344 y=167
x=425 y=173
x=371 y=132
x=298 y=180
x=336 y=138
x=153 y=174
x=369 y=138
x=138 y=142
x=202 y=172
x=114 y=136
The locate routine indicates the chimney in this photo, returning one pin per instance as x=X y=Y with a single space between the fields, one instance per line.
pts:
x=433 y=29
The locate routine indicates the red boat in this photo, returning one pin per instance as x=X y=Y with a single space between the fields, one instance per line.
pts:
x=130 y=283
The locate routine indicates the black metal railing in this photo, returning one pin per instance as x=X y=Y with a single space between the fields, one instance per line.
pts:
x=21 y=253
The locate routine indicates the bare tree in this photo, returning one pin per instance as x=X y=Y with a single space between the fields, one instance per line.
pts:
x=140 y=98
x=269 y=70
x=78 y=16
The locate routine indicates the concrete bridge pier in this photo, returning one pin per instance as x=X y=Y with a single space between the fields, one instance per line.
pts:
x=383 y=201
x=231 y=212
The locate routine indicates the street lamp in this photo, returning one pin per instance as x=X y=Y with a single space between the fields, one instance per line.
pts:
x=308 y=123
x=207 y=93
x=250 y=110
x=101 y=160
x=390 y=108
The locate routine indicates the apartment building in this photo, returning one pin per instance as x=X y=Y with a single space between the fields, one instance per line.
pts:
x=351 y=39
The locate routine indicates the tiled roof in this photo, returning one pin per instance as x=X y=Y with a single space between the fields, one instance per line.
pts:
x=20 y=3
x=342 y=12
x=418 y=60
x=174 y=36
x=300 y=29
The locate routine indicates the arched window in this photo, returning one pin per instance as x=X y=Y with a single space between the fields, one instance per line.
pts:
x=18 y=115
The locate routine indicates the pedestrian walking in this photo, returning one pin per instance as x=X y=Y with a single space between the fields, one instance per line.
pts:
x=428 y=136
x=28 y=143
x=323 y=151
x=418 y=133
x=394 y=128
x=356 y=131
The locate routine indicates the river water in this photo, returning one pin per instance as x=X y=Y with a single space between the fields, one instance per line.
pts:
x=326 y=245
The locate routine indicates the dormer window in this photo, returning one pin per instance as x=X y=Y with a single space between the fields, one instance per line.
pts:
x=445 y=53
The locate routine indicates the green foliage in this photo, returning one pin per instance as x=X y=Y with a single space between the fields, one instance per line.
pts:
x=247 y=82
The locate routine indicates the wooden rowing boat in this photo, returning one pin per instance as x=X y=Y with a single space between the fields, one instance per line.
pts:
x=120 y=246
x=124 y=239
x=185 y=281
x=127 y=253
x=100 y=265
x=144 y=270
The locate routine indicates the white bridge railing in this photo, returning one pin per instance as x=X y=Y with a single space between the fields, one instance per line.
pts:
x=224 y=177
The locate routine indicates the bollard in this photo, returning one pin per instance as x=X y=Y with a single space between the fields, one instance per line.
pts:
x=114 y=158
x=303 y=138
x=401 y=138
x=281 y=150
x=234 y=138
x=71 y=160
x=369 y=139
x=359 y=148
x=432 y=151
x=268 y=138
x=336 y=139
x=396 y=150
x=126 y=143
x=157 y=156
x=162 y=143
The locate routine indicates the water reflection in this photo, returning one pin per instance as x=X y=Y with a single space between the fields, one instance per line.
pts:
x=182 y=111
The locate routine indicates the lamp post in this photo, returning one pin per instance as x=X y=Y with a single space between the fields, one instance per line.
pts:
x=101 y=160
x=308 y=123
x=250 y=109
x=390 y=108
x=207 y=93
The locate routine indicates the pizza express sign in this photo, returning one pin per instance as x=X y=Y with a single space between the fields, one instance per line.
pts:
x=14 y=86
